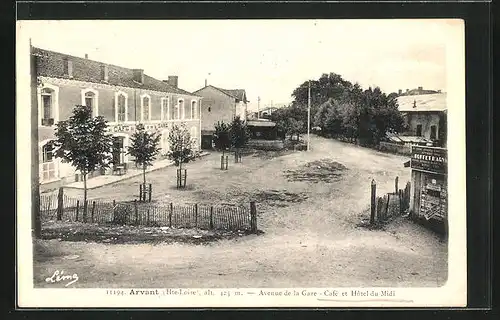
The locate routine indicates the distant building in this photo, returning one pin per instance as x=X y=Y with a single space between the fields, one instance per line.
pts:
x=124 y=97
x=267 y=111
x=220 y=105
x=262 y=129
x=426 y=117
x=416 y=92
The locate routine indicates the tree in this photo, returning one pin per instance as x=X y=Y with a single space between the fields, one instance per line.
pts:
x=181 y=145
x=83 y=141
x=144 y=148
x=238 y=133
x=222 y=138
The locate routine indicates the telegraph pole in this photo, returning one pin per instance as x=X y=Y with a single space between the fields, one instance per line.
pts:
x=308 y=115
x=258 y=108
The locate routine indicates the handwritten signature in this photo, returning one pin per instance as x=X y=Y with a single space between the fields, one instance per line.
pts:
x=59 y=276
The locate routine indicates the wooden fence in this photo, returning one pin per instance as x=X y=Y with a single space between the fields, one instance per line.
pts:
x=391 y=204
x=203 y=216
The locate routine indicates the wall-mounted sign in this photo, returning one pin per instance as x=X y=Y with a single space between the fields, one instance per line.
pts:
x=429 y=159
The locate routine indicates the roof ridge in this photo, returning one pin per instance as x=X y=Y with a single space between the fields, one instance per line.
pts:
x=121 y=68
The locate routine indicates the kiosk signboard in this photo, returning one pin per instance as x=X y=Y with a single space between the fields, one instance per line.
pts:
x=429 y=159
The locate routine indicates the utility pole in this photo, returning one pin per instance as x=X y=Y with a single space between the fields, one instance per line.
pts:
x=308 y=115
x=258 y=108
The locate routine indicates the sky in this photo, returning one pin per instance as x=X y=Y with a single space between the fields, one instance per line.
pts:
x=267 y=58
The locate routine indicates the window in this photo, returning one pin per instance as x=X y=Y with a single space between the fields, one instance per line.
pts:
x=89 y=99
x=433 y=132
x=145 y=108
x=47 y=153
x=181 y=107
x=121 y=101
x=47 y=103
x=194 y=114
x=419 y=130
x=164 y=109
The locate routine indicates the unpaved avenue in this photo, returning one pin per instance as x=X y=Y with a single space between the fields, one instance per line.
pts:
x=310 y=243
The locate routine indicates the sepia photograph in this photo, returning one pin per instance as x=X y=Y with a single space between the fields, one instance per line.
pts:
x=321 y=160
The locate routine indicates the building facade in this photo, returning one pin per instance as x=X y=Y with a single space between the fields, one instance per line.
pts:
x=124 y=97
x=425 y=116
x=220 y=105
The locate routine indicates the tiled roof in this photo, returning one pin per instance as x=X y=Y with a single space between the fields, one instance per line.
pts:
x=238 y=94
x=424 y=102
x=50 y=64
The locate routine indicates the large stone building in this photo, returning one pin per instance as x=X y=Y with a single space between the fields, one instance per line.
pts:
x=220 y=105
x=124 y=97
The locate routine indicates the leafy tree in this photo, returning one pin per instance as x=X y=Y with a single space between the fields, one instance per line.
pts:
x=238 y=133
x=144 y=148
x=222 y=138
x=83 y=141
x=181 y=145
x=290 y=120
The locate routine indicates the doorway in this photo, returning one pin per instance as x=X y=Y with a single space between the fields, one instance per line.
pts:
x=118 y=150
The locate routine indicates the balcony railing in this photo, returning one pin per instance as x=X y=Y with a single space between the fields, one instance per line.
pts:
x=48 y=122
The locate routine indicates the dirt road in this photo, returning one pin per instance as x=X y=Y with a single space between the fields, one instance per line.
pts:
x=309 y=220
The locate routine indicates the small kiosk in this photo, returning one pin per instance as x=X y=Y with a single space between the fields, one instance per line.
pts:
x=429 y=200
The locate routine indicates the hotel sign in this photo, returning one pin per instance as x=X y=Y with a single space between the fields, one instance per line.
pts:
x=429 y=159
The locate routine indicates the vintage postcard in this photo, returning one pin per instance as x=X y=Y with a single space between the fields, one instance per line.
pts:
x=241 y=163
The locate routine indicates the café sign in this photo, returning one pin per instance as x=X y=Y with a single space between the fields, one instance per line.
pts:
x=429 y=159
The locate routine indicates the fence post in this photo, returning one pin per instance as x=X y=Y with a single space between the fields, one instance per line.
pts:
x=396 y=185
x=92 y=213
x=196 y=215
x=170 y=214
x=136 y=212
x=222 y=162
x=227 y=161
x=85 y=210
x=253 y=217
x=211 y=217
x=387 y=206
x=77 y=208
x=380 y=206
x=150 y=191
x=373 y=197
x=60 y=204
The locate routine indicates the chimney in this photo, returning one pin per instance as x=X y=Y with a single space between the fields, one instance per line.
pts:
x=138 y=75
x=173 y=81
x=86 y=56
x=68 y=67
x=104 y=73
x=420 y=88
x=400 y=92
